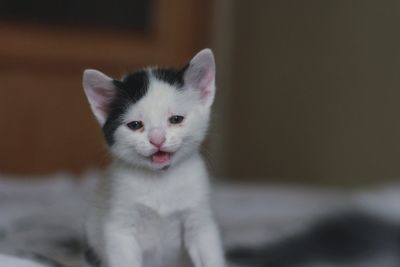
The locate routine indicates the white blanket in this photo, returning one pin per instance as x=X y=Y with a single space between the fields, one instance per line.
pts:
x=45 y=218
x=10 y=261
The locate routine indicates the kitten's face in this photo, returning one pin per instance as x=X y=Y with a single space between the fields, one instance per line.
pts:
x=154 y=118
x=163 y=127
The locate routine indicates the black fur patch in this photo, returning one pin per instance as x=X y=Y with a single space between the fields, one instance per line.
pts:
x=130 y=90
x=171 y=76
x=92 y=258
x=346 y=238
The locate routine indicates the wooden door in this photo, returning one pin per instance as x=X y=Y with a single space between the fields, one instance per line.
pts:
x=46 y=124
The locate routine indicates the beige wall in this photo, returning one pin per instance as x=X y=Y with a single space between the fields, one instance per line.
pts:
x=314 y=92
x=222 y=35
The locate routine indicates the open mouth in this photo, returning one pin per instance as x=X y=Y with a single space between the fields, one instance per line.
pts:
x=161 y=158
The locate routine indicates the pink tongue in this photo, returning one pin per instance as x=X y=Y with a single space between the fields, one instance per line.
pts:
x=160 y=157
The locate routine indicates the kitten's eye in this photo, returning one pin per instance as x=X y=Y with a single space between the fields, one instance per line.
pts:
x=135 y=125
x=176 y=119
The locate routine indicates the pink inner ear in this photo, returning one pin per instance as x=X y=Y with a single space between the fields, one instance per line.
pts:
x=205 y=86
x=100 y=99
x=206 y=81
x=201 y=74
x=204 y=96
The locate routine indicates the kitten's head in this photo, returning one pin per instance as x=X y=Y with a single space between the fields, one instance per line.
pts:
x=154 y=118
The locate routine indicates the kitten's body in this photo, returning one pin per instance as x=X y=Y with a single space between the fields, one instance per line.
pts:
x=152 y=208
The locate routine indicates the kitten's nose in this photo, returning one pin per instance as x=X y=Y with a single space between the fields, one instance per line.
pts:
x=157 y=137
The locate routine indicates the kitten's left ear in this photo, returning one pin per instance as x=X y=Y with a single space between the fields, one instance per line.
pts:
x=200 y=75
x=100 y=91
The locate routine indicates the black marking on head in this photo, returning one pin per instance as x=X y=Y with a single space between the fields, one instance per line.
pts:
x=92 y=258
x=171 y=76
x=129 y=91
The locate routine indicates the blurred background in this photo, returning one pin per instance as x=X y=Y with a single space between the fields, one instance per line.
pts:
x=307 y=103
x=308 y=91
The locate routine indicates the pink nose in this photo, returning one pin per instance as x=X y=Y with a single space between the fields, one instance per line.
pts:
x=157 y=137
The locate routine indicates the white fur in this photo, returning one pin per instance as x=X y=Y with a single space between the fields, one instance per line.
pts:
x=142 y=215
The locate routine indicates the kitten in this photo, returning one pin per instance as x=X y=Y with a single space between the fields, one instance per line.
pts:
x=152 y=207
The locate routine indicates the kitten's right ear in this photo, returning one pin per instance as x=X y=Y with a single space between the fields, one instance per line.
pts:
x=200 y=75
x=100 y=91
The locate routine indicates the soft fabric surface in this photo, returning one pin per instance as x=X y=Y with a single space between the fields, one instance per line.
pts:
x=10 y=261
x=44 y=219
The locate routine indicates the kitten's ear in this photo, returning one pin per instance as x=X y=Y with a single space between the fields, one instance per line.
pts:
x=200 y=75
x=100 y=91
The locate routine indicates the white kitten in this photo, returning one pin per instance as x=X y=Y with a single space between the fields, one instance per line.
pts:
x=152 y=207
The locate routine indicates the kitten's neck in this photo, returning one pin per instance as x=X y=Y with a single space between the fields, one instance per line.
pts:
x=179 y=188
x=187 y=180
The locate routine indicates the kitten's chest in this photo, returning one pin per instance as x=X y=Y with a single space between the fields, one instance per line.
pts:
x=166 y=195
x=160 y=236
x=169 y=202
x=152 y=228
